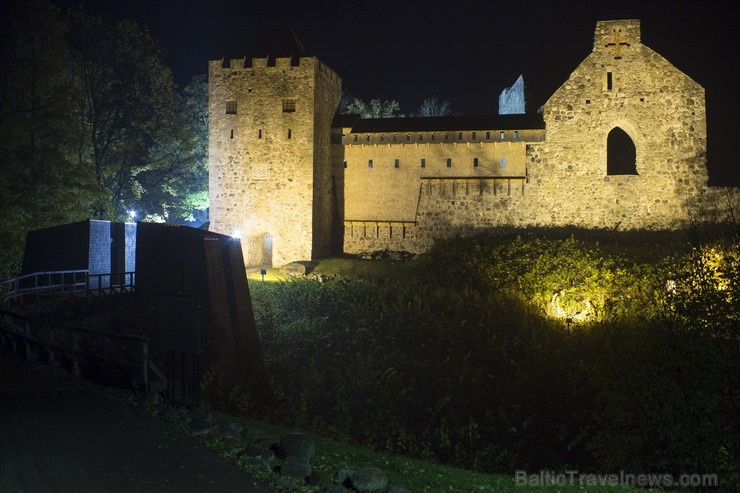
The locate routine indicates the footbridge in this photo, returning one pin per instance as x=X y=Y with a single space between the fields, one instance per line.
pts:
x=29 y=302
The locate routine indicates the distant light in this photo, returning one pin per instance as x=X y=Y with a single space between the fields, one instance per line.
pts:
x=236 y=234
x=132 y=214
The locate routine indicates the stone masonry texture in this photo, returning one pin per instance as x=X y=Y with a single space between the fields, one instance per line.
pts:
x=292 y=184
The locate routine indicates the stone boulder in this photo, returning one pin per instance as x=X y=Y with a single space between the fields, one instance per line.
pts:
x=333 y=489
x=295 y=467
x=298 y=445
x=258 y=452
x=369 y=480
x=293 y=269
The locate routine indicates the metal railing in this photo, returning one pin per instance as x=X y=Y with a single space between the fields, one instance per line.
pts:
x=107 y=284
x=120 y=351
x=42 y=288
x=32 y=336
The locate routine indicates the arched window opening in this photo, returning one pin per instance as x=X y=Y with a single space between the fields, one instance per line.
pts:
x=621 y=154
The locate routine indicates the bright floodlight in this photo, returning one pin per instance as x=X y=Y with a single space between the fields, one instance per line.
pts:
x=236 y=234
x=132 y=214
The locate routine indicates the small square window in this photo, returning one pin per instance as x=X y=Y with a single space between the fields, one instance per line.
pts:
x=459 y=135
x=475 y=162
x=501 y=136
x=382 y=137
x=423 y=163
x=395 y=137
x=355 y=139
x=447 y=136
x=488 y=135
x=408 y=137
x=231 y=107
x=503 y=162
x=345 y=163
x=288 y=105
x=449 y=162
x=421 y=137
x=434 y=137
x=472 y=135
x=367 y=138
x=397 y=163
x=516 y=134
x=370 y=163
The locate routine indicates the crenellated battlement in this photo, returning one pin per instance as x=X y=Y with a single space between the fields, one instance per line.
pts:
x=269 y=63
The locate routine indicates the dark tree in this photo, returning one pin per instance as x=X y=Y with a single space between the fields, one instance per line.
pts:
x=129 y=127
x=434 y=107
x=41 y=181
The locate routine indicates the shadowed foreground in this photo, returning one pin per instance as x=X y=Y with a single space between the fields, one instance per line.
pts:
x=57 y=435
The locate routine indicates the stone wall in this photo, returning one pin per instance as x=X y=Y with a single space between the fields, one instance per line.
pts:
x=325 y=212
x=446 y=208
x=660 y=108
x=511 y=101
x=100 y=247
x=621 y=84
x=292 y=179
x=269 y=154
x=384 y=200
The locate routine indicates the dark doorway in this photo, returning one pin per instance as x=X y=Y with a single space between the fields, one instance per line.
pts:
x=258 y=250
x=621 y=154
x=267 y=250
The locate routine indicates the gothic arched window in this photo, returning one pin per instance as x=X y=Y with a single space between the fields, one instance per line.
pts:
x=621 y=154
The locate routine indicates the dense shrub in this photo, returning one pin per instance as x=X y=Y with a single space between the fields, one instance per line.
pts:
x=520 y=353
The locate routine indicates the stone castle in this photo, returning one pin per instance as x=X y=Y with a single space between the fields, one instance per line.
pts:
x=620 y=145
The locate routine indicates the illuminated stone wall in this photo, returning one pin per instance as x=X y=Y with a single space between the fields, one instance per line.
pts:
x=512 y=100
x=624 y=84
x=323 y=188
x=404 y=207
x=269 y=155
x=661 y=110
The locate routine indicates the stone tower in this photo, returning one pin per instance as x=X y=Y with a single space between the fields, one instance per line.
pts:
x=270 y=177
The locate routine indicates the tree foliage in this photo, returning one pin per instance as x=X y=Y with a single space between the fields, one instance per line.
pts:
x=375 y=108
x=91 y=125
x=130 y=127
x=194 y=110
x=41 y=183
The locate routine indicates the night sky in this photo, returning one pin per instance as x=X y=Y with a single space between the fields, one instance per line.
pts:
x=462 y=51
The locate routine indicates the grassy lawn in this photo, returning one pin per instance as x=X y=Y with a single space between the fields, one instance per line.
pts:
x=418 y=476
x=348 y=266
x=272 y=275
